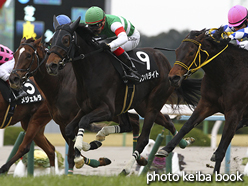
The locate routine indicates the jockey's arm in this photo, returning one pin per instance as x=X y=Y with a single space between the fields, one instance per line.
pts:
x=121 y=34
x=240 y=34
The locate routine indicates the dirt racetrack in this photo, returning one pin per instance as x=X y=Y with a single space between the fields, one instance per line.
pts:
x=196 y=159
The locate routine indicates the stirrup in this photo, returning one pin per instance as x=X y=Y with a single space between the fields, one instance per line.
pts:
x=131 y=77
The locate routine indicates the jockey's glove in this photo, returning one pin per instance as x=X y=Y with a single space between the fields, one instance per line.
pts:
x=105 y=46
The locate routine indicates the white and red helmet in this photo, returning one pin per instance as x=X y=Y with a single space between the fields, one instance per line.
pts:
x=5 y=54
x=237 y=15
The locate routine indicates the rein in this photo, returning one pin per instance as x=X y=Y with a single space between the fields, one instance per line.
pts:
x=28 y=74
x=191 y=71
x=70 y=52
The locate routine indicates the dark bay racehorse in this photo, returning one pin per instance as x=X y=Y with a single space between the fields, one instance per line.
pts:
x=60 y=91
x=100 y=90
x=224 y=86
x=33 y=118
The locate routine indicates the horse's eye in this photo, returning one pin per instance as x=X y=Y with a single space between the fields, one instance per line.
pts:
x=66 y=41
x=191 y=53
x=29 y=56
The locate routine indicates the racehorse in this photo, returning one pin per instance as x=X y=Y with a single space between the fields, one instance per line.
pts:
x=100 y=90
x=224 y=85
x=60 y=92
x=33 y=117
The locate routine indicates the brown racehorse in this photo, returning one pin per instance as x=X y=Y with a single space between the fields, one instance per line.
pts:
x=224 y=85
x=33 y=118
x=100 y=90
x=60 y=92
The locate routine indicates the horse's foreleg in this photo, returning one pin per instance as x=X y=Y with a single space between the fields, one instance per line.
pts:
x=48 y=148
x=70 y=128
x=199 y=114
x=124 y=126
x=100 y=114
x=227 y=135
x=23 y=149
x=142 y=139
x=242 y=123
x=134 y=120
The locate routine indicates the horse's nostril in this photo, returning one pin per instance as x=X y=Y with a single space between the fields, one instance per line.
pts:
x=174 y=80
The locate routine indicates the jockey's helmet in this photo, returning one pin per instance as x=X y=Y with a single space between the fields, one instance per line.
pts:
x=94 y=15
x=63 y=19
x=5 y=54
x=237 y=15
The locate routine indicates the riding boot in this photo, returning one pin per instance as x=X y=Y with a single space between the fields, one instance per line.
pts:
x=19 y=93
x=131 y=75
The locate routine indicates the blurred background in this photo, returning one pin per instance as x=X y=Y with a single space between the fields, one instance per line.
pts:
x=161 y=23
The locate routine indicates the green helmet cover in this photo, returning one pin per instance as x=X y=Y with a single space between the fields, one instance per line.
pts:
x=94 y=15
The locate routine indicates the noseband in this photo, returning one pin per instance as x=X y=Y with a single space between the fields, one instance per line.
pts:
x=198 y=53
x=70 y=51
x=29 y=74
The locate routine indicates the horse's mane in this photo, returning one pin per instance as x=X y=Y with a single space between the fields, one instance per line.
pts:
x=30 y=40
x=41 y=45
x=84 y=32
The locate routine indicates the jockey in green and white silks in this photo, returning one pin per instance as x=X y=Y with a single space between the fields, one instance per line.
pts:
x=126 y=36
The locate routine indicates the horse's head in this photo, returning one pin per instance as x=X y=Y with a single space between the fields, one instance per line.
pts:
x=186 y=56
x=28 y=58
x=62 y=48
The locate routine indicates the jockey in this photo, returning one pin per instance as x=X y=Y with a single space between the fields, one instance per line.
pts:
x=237 y=19
x=126 y=36
x=7 y=62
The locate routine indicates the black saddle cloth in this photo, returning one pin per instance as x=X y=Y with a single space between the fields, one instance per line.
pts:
x=33 y=94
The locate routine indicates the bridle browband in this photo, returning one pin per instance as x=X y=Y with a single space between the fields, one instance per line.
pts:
x=70 y=51
x=29 y=74
x=198 y=53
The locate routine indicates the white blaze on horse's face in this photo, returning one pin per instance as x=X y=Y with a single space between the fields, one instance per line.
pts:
x=21 y=51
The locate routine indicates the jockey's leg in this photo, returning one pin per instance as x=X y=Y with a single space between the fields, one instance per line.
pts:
x=132 y=73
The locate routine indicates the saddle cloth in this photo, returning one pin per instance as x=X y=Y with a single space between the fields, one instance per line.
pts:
x=33 y=95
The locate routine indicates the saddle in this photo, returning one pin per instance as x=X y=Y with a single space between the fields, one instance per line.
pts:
x=33 y=95
x=148 y=71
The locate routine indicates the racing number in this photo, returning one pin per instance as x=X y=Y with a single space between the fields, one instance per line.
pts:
x=145 y=58
x=30 y=88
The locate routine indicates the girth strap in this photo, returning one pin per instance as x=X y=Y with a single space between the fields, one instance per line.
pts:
x=8 y=115
x=128 y=99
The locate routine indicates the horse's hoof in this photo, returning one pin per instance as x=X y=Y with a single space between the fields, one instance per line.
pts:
x=104 y=161
x=123 y=173
x=79 y=162
x=100 y=138
x=142 y=161
x=162 y=153
x=95 y=145
x=189 y=140
x=212 y=158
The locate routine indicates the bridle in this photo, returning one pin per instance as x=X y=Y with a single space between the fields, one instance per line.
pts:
x=198 y=53
x=28 y=72
x=71 y=49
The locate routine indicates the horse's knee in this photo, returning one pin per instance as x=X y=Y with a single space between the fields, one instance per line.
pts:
x=69 y=132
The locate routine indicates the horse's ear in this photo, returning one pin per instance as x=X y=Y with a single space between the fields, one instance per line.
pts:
x=74 y=25
x=37 y=41
x=201 y=36
x=23 y=40
x=55 y=22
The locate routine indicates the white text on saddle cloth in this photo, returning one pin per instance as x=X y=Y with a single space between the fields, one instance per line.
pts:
x=149 y=75
x=31 y=99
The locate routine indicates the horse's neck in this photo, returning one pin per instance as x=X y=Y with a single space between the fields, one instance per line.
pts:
x=46 y=82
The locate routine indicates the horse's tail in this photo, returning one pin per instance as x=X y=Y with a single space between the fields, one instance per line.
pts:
x=189 y=92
